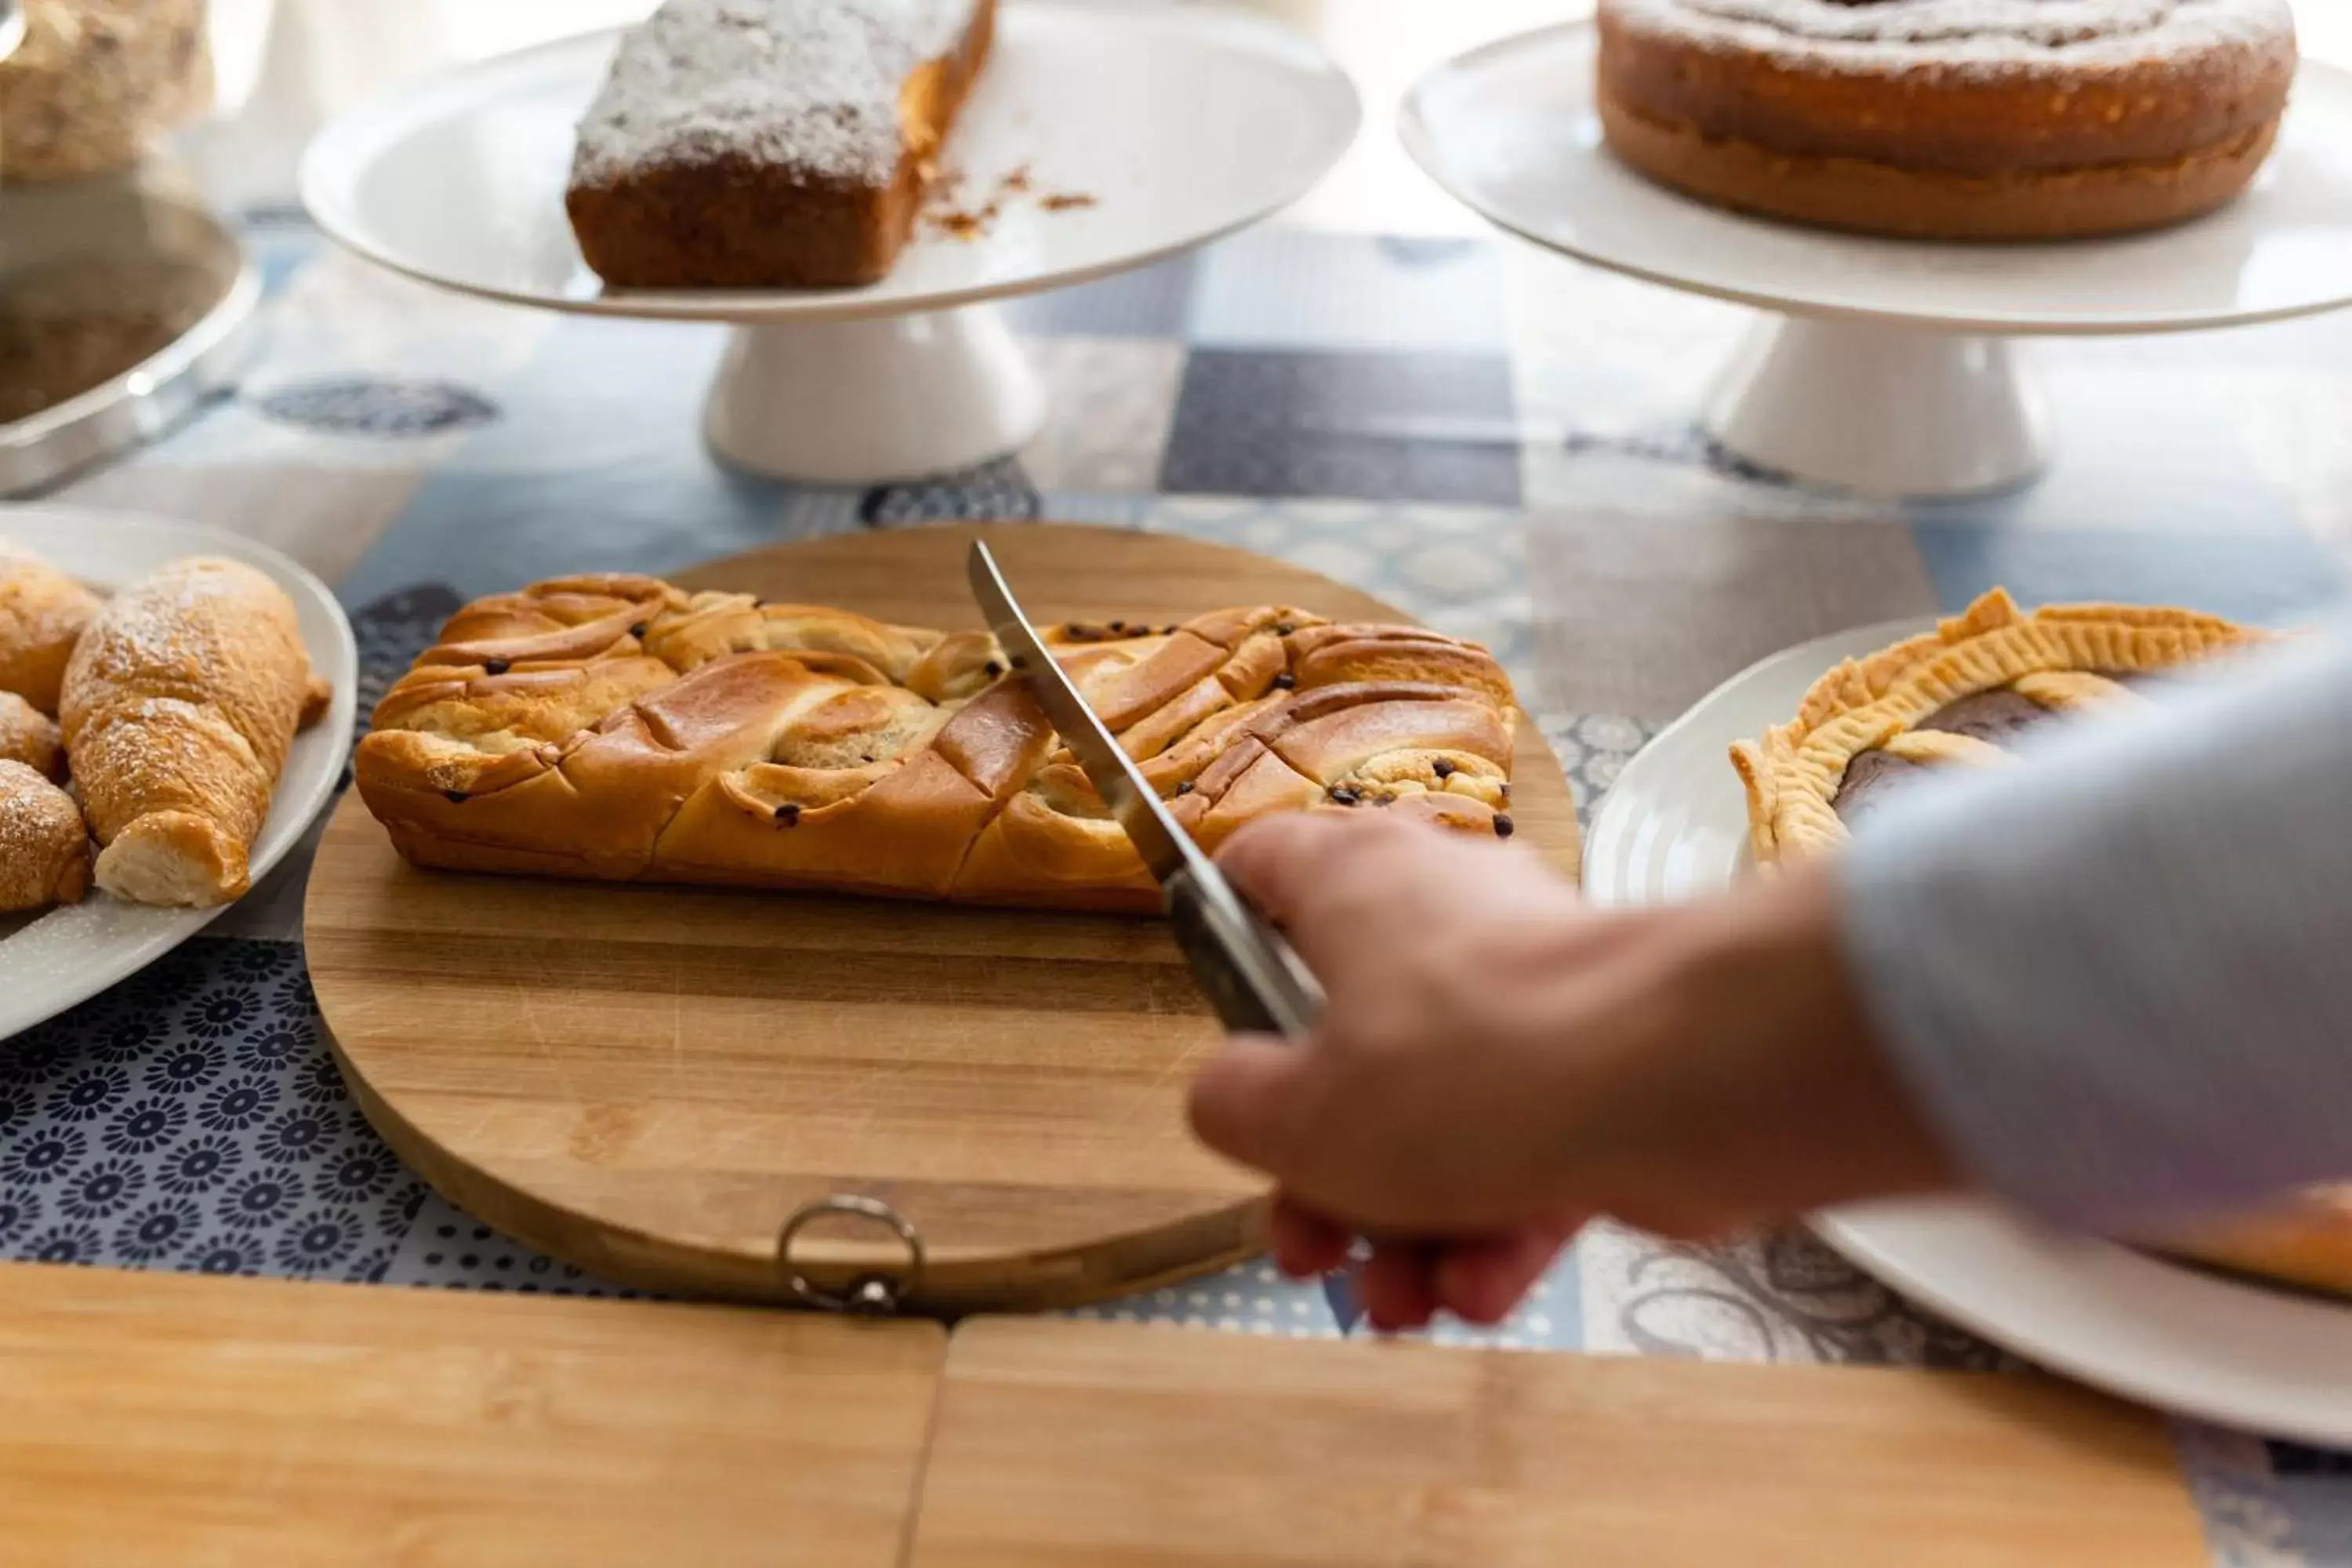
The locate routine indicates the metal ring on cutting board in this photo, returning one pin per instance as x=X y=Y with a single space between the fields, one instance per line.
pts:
x=870 y=1295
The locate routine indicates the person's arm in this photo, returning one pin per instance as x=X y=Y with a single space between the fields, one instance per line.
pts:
x=2041 y=979
x=2120 y=979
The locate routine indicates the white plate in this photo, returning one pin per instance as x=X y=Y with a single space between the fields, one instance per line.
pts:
x=1510 y=131
x=1184 y=123
x=71 y=953
x=1674 y=827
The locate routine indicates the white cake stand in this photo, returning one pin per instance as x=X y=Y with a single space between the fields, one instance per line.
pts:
x=1888 y=366
x=1180 y=124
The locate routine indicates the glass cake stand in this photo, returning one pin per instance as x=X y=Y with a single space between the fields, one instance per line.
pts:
x=1102 y=138
x=1886 y=366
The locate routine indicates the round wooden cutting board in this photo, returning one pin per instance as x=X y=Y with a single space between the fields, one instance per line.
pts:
x=649 y=1081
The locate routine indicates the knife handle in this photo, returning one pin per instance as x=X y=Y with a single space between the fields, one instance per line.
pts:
x=1257 y=983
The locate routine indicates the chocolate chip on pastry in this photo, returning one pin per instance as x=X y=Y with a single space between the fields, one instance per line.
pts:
x=904 y=762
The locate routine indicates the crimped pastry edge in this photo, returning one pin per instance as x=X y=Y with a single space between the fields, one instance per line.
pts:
x=1791 y=773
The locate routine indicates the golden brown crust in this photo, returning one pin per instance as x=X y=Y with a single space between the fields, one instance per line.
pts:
x=1942 y=136
x=2305 y=1240
x=1865 y=197
x=1793 y=772
x=44 y=849
x=42 y=614
x=178 y=708
x=29 y=736
x=721 y=739
x=729 y=222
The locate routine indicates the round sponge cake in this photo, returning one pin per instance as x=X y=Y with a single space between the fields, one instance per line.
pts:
x=1984 y=119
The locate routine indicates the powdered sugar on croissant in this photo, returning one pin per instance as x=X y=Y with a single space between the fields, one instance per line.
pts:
x=617 y=726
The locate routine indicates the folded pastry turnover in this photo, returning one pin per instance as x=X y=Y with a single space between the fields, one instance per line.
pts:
x=619 y=728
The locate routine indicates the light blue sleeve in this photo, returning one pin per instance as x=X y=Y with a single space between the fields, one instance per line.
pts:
x=2119 y=978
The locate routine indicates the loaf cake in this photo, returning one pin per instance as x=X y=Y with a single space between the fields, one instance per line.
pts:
x=617 y=726
x=770 y=143
x=1972 y=120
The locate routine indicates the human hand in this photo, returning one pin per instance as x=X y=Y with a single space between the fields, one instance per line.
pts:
x=1499 y=1063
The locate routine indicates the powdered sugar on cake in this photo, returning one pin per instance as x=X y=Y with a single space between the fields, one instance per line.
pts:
x=806 y=85
x=1988 y=35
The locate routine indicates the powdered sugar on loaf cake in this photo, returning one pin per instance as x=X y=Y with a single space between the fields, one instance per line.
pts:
x=1996 y=35
x=806 y=86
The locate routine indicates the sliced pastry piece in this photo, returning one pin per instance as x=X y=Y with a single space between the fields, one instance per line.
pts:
x=1954 y=697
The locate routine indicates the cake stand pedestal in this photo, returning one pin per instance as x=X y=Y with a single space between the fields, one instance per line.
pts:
x=857 y=402
x=1890 y=410
x=1886 y=366
x=1082 y=152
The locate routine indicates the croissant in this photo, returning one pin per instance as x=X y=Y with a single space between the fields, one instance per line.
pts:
x=29 y=736
x=617 y=727
x=42 y=614
x=44 y=849
x=178 y=708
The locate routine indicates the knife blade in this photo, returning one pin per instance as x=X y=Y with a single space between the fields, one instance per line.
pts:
x=1253 y=977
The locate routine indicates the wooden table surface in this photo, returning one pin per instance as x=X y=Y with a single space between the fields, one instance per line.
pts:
x=244 y=1422
x=1115 y=1446
x=169 y=1420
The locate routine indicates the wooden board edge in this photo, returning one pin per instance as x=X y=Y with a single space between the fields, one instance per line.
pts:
x=1097 y=1269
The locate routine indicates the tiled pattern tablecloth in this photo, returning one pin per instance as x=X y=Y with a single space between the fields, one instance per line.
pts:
x=1493 y=439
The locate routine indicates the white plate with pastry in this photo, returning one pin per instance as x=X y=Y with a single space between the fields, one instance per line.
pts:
x=161 y=671
x=2231 y=1347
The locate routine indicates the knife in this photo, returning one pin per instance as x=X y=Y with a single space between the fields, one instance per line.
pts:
x=1253 y=978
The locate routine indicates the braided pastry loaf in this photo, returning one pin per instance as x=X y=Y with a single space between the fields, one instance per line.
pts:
x=617 y=726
